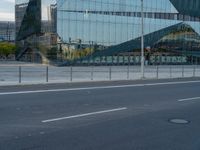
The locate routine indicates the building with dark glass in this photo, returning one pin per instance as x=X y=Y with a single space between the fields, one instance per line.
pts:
x=7 y=32
x=36 y=30
x=109 y=31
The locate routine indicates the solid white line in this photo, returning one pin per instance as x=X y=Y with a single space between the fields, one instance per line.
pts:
x=84 y=115
x=95 y=88
x=189 y=99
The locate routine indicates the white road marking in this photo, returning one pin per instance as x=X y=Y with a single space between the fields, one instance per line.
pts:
x=95 y=88
x=189 y=99
x=84 y=115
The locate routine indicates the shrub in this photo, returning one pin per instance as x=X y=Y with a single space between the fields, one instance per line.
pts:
x=7 y=48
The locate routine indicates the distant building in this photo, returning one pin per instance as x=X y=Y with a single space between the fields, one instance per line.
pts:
x=109 y=30
x=171 y=28
x=7 y=31
x=35 y=30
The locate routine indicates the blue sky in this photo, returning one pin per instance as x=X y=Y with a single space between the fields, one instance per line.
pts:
x=7 y=7
x=7 y=10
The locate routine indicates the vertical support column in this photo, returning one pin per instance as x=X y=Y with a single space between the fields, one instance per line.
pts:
x=47 y=74
x=157 y=72
x=170 y=71
x=194 y=71
x=71 y=74
x=142 y=39
x=20 y=74
x=92 y=73
x=110 y=73
x=128 y=71
x=183 y=71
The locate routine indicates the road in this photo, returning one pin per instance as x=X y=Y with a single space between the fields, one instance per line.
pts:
x=129 y=115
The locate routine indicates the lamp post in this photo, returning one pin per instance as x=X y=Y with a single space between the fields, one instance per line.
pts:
x=142 y=39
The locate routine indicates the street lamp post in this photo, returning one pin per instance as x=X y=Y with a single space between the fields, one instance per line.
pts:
x=142 y=40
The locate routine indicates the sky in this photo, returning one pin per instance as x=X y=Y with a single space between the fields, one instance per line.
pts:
x=7 y=10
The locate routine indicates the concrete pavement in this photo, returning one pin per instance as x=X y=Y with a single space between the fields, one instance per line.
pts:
x=130 y=115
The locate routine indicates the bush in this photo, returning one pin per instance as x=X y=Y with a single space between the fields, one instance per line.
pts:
x=7 y=48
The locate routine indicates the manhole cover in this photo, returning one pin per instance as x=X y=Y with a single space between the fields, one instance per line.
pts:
x=179 y=121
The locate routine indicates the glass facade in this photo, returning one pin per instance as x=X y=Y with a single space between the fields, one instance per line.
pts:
x=108 y=27
x=7 y=32
x=109 y=22
x=35 y=29
x=108 y=30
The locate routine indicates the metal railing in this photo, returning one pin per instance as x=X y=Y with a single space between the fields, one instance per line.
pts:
x=48 y=74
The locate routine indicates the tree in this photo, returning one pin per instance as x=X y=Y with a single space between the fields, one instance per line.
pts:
x=7 y=48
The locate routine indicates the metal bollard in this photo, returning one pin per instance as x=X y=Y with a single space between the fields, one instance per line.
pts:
x=71 y=74
x=47 y=74
x=194 y=71
x=128 y=71
x=183 y=71
x=92 y=73
x=20 y=74
x=110 y=73
x=157 y=74
x=170 y=71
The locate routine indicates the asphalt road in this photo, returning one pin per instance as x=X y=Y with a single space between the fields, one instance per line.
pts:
x=123 y=115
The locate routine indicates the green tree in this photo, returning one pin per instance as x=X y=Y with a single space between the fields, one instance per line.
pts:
x=7 y=48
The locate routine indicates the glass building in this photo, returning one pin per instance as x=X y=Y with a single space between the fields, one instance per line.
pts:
x=7 y=32
x=36 y=30
x=108 y=31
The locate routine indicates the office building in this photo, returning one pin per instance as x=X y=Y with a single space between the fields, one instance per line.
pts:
x=7 y=32
x=109 y=31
